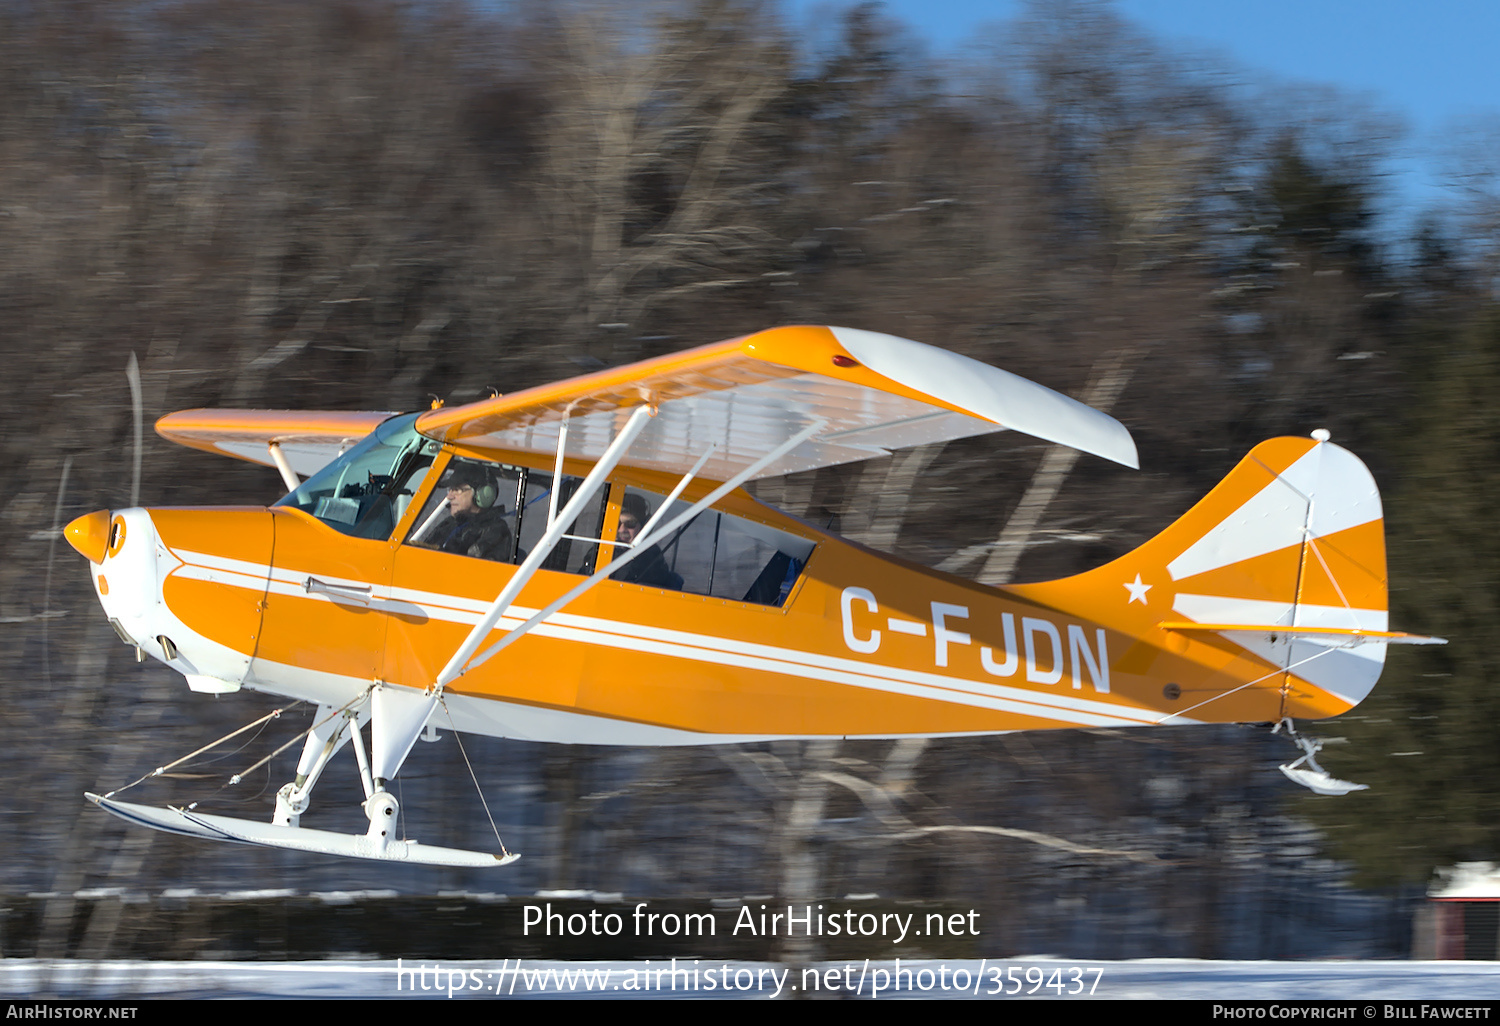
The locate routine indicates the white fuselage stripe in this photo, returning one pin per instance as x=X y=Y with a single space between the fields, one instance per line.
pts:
x=701 y=648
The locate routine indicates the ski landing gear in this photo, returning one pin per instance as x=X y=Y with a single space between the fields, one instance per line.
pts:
x=396 y=717
x=1306 y=771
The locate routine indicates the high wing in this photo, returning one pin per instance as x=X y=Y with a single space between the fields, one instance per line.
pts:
x=872 y=393
x=309 y=439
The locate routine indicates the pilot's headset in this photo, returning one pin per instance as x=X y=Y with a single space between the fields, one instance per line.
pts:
x=485 y=491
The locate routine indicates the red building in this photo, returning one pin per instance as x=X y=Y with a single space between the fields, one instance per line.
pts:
x=1462 y=916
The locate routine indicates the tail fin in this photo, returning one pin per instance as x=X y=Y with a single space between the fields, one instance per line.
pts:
x=1273 y=587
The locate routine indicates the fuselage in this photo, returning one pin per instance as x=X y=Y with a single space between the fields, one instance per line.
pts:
x=832 y=640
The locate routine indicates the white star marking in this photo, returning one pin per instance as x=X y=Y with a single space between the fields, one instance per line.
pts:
x=1137 y=591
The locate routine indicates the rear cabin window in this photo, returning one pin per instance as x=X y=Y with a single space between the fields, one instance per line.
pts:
x=498 y=512
x=714 y=554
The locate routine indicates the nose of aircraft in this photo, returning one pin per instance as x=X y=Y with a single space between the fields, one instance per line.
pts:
x=201 y=617
x=122 y=545
x=89 y=534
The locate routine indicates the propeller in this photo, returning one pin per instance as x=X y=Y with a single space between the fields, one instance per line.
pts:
x=133 y=375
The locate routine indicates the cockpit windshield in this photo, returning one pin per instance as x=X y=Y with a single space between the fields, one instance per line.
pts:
x=366 y=490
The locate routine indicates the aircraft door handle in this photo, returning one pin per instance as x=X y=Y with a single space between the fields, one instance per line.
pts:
x=358 y=593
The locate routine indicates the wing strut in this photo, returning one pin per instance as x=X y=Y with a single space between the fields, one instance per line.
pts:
x=288 y=475
x=642 y=540
x=557 y=466
x=543 y=547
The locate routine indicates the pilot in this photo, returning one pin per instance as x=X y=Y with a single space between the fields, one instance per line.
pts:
x=478 y=527
x=650 y=567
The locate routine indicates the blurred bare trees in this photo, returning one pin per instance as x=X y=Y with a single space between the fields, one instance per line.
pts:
x=660 y=156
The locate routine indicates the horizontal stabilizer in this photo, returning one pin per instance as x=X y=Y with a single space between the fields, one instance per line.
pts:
x=1348 y=635
x=318 y=842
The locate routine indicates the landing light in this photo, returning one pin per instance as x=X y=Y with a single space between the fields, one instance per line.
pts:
x=116 y=536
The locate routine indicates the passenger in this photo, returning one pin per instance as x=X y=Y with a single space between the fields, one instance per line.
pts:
x=478 y=527
x=650 y=567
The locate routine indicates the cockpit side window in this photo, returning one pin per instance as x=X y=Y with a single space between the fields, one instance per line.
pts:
x=499 y=512
x=472 y=511
x=575 y=553
x=715 y=553
x=365 y=492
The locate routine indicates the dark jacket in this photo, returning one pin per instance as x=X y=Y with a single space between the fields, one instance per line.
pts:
x=649 y=568
x=484 y=535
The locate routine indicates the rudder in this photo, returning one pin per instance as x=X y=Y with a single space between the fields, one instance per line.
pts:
x=1292 y=537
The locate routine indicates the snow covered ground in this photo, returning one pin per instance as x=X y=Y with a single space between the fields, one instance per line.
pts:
x=994 y=980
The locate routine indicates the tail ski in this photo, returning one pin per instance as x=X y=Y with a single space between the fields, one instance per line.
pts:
x=1266 y=600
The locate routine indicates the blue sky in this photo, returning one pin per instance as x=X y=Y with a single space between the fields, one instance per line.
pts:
x=1431 y=64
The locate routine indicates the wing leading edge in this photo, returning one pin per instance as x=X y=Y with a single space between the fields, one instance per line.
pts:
x=872 y=392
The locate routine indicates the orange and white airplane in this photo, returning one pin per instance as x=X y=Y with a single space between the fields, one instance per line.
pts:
x=579 y=563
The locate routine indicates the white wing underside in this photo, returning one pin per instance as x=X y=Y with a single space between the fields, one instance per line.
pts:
x=745 y=404
x=868 y=394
